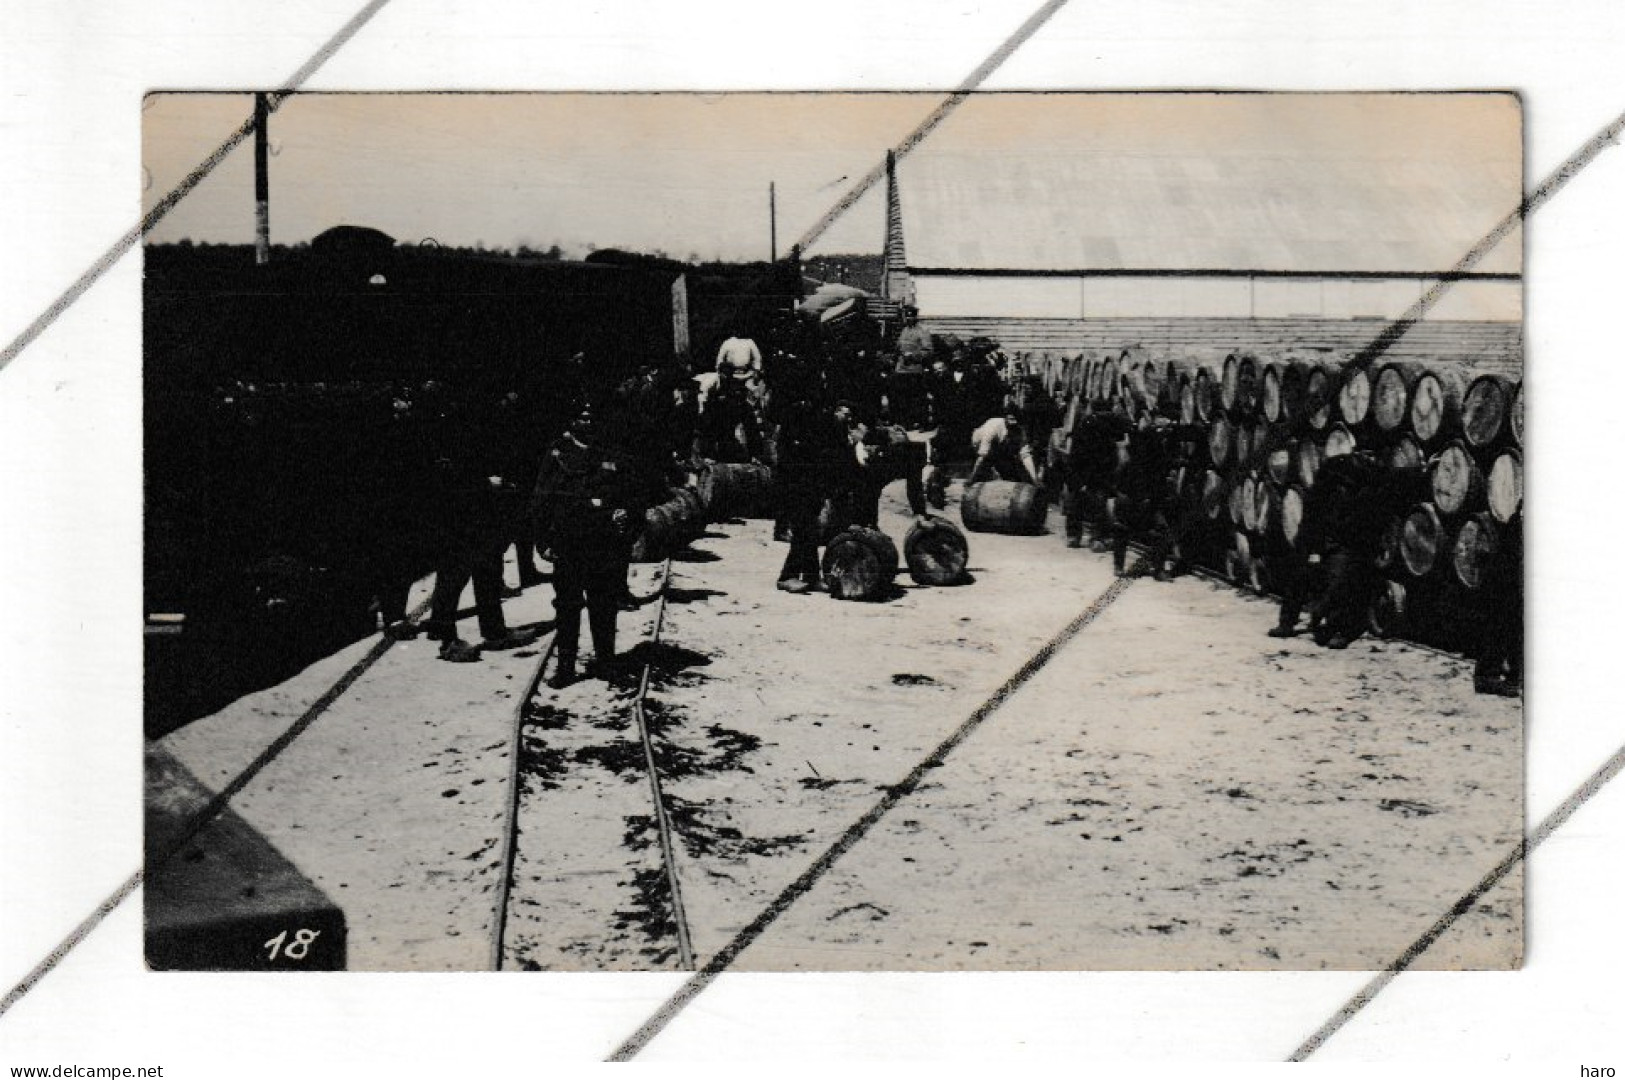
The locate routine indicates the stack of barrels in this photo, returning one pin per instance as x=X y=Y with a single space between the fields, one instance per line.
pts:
x=1263 y=428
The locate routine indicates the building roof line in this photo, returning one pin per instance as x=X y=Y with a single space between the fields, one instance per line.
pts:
x=1148 y=272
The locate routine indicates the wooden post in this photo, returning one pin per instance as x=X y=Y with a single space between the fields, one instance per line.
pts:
x=262 y=182
x=772 y=223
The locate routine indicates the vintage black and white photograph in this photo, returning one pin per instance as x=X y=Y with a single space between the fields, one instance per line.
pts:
x=833 y=531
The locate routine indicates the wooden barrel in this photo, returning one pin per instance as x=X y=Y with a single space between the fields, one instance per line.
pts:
x=1354 y=395
x=1207 y=394
x=1504 y=489
x=1436 y=405
x=1388 y=558
x=1292 y=514
x=1294 y=391
x=1220 y=441
x=1150 y=382
x=1267 y=502
x=1187 y=399
x=1230 y=383
x=1108 y=389
x=1278 y=463
x=1339 y=441
x=1213 y=495
x=1484 y=410
x=1320 y=386
x=1003 y=506
x=1249 y=503
x=1515 y=414
x=1389 y=609
x=1307 y=455
x=1251 y=452
x=1391 y=394
x=1241 y=443
x=1131 y=376
x=668 y=526
x=1240 y=501
x=1270 y=400
x=936 y=552
x=1475 y=545
x=1248 y=390
x=1405 y=453
x=1421 y=540
x=1458 y=482
x=859 y=564
x=729 y=490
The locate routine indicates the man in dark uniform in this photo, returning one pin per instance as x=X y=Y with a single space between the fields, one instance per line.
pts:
x=952 y=411
x=816 y=461
x=1343 y=518
x=1141 y=505
x=587 y=506
x=474 y=509
x=1499 y=666
x=1091 y=467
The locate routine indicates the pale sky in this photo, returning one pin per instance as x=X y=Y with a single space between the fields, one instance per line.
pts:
x=689 y=173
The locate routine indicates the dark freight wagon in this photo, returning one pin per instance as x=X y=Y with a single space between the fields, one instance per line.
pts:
x=283 y=401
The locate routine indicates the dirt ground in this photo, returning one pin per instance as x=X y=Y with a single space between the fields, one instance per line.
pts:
x=1172 y=790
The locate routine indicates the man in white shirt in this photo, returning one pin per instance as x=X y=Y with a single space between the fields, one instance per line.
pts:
x=732 y=403
x=1002 y=451
x=739 y=358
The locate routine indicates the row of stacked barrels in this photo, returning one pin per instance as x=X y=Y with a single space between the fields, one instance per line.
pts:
x=1453 y=436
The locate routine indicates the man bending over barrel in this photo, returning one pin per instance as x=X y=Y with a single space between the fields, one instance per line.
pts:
x=1002 y=450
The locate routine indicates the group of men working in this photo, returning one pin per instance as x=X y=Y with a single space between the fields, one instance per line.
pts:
x=838 y=425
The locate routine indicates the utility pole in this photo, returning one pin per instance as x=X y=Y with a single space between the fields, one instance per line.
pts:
x=772 y=223
x=262 y=182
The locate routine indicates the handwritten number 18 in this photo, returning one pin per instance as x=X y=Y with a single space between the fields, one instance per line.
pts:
x=297 y=949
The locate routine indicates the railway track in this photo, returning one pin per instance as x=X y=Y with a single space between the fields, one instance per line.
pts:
x=585 y=786
x=629 y=849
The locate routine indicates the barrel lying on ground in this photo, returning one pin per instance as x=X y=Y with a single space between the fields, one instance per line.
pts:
x=936 y=552
x=1003 y=506
x=859 y=564
x=669 y=525
x=732 y=490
